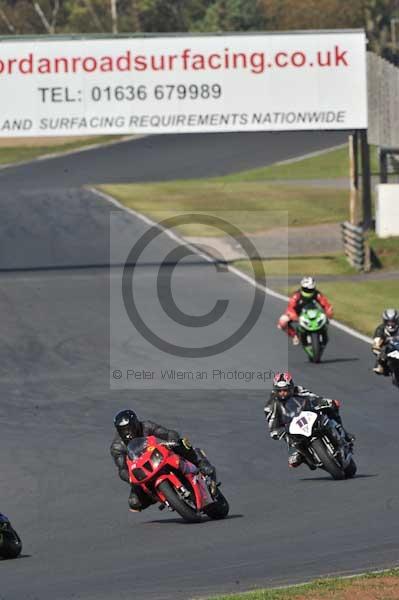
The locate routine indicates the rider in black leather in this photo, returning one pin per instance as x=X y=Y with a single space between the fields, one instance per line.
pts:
x=128 y=426
x=383 y=333
x=286 y=401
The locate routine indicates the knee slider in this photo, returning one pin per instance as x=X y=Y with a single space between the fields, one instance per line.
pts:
x=283 y=321
x=134 y=501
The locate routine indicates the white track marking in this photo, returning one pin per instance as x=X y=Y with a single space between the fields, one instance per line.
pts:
x=52 y=155
x=152 y=223
x=210 y=259
x=308 y=155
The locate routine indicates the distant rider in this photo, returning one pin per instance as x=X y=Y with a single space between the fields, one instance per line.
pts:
x=304 y=295
x=384 y=332
x=129 y=427
x=286 y=401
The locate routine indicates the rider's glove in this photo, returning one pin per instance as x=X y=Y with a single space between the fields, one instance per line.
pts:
x=378 y=342
x=323 y=403
x=206 y=468
x=186 y=443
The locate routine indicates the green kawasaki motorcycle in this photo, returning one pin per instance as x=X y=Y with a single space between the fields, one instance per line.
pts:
x=312 y=331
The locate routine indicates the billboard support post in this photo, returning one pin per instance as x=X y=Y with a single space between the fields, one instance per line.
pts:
x=366 y=180
x=353 y=179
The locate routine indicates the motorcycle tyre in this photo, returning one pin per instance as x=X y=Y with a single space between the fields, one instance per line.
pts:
x=329 y=463
x=178 y=504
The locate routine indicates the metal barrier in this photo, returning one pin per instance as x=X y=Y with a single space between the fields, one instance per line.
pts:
x=389 y=164
x=356 y=246
x=383 y=105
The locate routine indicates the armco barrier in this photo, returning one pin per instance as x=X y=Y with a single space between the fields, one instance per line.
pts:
x=356 y=246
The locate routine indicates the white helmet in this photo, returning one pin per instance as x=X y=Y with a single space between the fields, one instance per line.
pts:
x=308 y=286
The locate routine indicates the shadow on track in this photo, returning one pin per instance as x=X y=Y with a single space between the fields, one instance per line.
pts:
x=329 y=478
x=338 y=360
x=180 y=521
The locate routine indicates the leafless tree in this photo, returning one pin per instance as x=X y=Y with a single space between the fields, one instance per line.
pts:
x=48 y=24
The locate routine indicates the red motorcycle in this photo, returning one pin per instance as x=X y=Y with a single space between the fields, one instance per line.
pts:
x=173 y=481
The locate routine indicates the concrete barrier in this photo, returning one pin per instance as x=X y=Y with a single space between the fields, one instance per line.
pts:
x=387 y=209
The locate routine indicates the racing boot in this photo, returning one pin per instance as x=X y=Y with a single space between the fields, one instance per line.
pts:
x=209 y=471
x=295 y=459
x=349 y=437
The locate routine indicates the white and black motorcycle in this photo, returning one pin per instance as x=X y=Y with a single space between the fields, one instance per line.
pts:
x=322 y=443
x=392 y=354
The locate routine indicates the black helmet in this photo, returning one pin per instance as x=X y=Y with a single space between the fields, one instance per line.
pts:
x=127 y=425
x=390 y=316
x=283 y=385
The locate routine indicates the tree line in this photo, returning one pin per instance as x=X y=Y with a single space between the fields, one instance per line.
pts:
x=380 y=18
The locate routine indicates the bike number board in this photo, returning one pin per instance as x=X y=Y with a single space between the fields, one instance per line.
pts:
x=303 y=423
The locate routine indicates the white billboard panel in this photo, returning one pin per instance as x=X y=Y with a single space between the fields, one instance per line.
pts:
x=266 y=82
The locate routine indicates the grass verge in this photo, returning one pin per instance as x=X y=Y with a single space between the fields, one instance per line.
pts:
x=372 y=586
x=329 y=165
x=298 y=265
x=278 y=204
x=16 y=153
x=387 y=250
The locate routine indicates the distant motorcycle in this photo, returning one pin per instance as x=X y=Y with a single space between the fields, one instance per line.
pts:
x=312 y=331
x=10 y=542
x=392 y=354
x=173 y=481
x=322 y=444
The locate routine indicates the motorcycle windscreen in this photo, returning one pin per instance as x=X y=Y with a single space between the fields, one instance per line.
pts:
x=137 y=448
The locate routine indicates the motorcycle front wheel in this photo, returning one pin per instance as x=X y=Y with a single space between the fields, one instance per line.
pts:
x=178 y=504
x=395 y=376
x=316 y=347
x=328 y=462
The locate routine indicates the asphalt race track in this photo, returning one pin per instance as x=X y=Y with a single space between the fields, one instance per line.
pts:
x=58 y=483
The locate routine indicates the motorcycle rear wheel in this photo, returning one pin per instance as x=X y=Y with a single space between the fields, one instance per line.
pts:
x=220 y=508
x=351 y=469
x=178 y=504
x=10 y=545
x=327 y=460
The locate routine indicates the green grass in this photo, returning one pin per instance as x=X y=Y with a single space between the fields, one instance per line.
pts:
x=328 y=588
x=279 y=204
x=360 y=304
x=330 y=165
x=299 y=265
x=17 y=154
x=387 y=250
